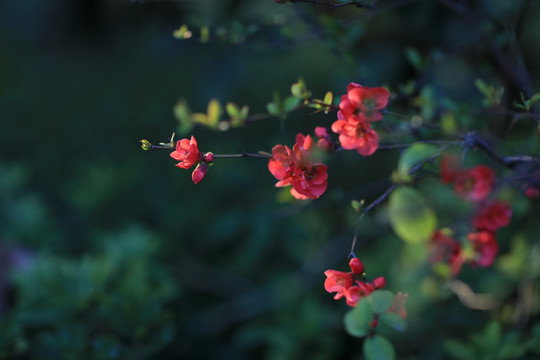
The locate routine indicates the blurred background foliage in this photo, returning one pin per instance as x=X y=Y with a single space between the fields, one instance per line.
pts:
x=110 y=252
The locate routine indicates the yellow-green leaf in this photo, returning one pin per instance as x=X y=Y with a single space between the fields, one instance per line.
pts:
x=411 y=218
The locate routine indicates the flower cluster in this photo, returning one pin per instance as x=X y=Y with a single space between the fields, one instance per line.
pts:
x=294 y=167
x=474 y=184
x=351 y=285
x=480 y=246
x=357 y=110
x=188 y=154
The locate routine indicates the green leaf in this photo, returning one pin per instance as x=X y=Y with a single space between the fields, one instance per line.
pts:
x=291 y=103
x=459 y=350
x=484 y=88
x=183 y=116
x=529 y=103
x=378 y=348
x=411 y=218
x=232 y=109
x=393 y=320
x=414 y=57
x=380 y=300
x=273 y=109
x=276 y=108
x=213 y=112
x=299 y=90
x=357 y=320
x=415 y=155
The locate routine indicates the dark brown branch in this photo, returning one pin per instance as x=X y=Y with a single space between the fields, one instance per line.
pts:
x=334 y=6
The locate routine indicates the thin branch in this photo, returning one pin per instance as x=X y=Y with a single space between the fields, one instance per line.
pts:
x=334 y=6
x=260 y=154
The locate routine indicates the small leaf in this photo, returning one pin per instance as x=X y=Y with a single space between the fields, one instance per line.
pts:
x=213 y=111
x=328 y=98
x=411 y=218
x=393 y=320
x=183 y=116
x=415 y=155
x=485 y=89
x=205 y=34
x=459 y=350
x=200 y=118
x=379 y=348
x=291 y=103
x=299 y=90
x=357 y=321
x=380 y=300
x=356 y=205
x=273 y=109
x=232 y=109
x=529 y=103
x=414 y=57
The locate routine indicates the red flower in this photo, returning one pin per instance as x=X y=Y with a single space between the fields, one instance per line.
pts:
x=356 y=134
x=354 y=293
x=443 y=248
x=337 y=281
x=187 y=152
x=475 y=184
x=294 y=167
x=493 y=216
x=449 y=168
x=309 y=181
x=364 y=101
x=485 y=247
x=532 y=189
x=351 y=285
x=304 y=142
x=282 y=162
x=199 y=172
x=325 y=141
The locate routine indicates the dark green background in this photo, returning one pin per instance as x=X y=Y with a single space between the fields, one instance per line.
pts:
x=135 y=261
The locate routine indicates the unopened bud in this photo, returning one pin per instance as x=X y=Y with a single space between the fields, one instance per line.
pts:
x=146 y=145
x=379 y=282
x=209 y=157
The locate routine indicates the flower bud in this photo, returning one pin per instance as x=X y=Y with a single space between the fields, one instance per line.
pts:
x=356 y=266
x=145 y=144
x=379 y=282
x=209 y=157
x=199 y=172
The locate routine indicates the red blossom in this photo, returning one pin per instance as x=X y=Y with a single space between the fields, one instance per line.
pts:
x=443 y=248
x=493 y=216
x=304 y=142
x=325 y=141
x=485 y=247
x=532 y=189
x=351 y=285
x=364 y=101
x=475 y=184
x=294 y=167
x=187 y=152
x=337 y=281
x=309 y=181
x=356 y=134
x=449 y=168
x=282 y=162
